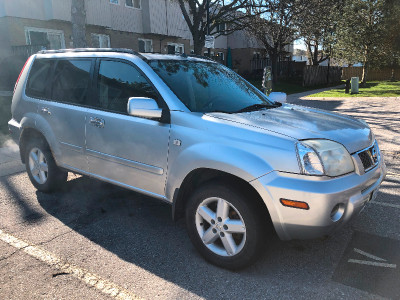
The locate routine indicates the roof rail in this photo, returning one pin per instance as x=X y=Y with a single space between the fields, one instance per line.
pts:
x=120 y=50
x=198 y=56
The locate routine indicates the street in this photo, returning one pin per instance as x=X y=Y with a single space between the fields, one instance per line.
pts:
x=93 y=240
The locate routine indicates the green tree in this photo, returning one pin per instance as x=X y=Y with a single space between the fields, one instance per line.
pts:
x=361 y=33
x=391 y=40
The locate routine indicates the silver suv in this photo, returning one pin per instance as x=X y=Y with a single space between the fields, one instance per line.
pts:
x=186 y=130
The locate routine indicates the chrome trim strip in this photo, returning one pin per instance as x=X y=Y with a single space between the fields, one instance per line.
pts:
x=126 y=162
x=72 y=147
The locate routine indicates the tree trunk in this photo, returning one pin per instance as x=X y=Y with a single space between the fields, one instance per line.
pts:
x=78 y=20
x=365 y=66
x=198 y=43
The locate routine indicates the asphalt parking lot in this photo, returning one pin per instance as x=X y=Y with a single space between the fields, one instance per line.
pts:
x=93 y=241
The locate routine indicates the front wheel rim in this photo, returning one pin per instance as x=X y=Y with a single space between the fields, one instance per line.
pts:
x=220 y=226
x=38 y=165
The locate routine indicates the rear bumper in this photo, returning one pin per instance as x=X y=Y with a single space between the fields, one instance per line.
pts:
x=15 y=130
x=351 y=192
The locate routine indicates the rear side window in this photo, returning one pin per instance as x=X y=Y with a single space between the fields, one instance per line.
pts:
x=39 y=78
x=71 y=81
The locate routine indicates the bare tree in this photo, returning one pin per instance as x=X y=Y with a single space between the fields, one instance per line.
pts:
x=275 y=28
x=231 y=13
x=317 y=26
x=78 y=20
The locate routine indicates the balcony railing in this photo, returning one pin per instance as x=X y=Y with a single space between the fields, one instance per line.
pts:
x=27 y=50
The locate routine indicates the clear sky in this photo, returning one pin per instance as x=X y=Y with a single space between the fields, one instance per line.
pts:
x=299 y=44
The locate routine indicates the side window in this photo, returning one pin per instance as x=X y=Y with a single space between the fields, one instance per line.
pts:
x=39 y=78
x=117 y=82
x=71 y=81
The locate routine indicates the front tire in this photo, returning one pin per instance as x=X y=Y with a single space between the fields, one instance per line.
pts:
x=225 y=226
x=42 y=170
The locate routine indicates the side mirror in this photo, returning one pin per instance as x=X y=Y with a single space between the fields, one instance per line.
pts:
x=144 y=108
x=277 y=97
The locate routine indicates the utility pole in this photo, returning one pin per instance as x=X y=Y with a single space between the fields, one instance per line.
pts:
x=208 y=23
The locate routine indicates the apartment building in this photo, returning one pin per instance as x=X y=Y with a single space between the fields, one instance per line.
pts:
x=141 y=25
x=27 y=26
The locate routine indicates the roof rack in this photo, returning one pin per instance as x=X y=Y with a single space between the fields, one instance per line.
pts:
x=197 y=56
x=120 y=50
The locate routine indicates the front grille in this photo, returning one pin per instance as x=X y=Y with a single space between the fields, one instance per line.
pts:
x=369 y=157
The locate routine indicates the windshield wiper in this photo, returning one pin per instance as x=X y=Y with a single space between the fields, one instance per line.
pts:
x=218 y=111
x=255 y=107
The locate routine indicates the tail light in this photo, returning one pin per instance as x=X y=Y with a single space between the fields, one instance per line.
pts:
x=15 y=86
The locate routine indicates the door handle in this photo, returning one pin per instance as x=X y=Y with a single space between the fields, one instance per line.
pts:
x=97 y=122
x=45 y=110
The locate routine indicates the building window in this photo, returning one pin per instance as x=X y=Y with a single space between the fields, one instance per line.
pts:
x=221 y=27
x=100 y=41
x=175 y=48
x=48 y=38
x=220 y=56
x=133 y=3
x=114 y=2
x=145 y=45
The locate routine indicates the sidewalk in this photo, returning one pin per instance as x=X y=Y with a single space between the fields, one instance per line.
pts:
x=10 y=161
x=6 y=93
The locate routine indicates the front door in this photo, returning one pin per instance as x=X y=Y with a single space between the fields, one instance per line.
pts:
x=121 y=148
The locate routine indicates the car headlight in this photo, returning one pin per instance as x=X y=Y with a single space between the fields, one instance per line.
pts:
x=324 y=157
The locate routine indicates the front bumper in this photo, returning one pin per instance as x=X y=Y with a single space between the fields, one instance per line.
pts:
x=322 y=194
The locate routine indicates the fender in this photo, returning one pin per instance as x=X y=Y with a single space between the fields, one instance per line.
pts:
x=246 y=166
x=37 y=122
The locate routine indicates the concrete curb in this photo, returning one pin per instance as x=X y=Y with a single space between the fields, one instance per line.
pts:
x=294 y=97
x=349 y=98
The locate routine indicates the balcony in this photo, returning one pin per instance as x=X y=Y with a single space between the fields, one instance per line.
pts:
x=27 y=50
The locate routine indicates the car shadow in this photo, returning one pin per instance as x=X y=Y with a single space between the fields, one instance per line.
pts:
x=140 y=231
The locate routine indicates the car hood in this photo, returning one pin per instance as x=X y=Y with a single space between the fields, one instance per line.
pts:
x=306 y=123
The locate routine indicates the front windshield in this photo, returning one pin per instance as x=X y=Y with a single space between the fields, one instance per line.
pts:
x=208 y=87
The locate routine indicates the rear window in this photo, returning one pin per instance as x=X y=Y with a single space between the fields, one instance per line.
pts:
x=71 y=81
x=39 y=78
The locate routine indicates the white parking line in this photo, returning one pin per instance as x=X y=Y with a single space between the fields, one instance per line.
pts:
x=372 y=263
x=368 y=255
x=386 y=204
x=103 y=285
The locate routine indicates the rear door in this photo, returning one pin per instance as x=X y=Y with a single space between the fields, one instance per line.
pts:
x=65 y=108
x=127 y=150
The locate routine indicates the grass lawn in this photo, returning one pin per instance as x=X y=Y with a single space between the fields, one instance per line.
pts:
x=5 y=116
x=287 y=87
x=371 y=89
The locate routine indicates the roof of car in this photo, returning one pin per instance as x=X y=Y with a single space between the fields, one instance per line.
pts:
x=144 y=56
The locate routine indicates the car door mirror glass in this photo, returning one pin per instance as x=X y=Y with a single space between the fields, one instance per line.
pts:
x=144 y=108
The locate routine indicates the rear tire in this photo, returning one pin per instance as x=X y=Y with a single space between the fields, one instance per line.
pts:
x=226 y=227
x=42 y=170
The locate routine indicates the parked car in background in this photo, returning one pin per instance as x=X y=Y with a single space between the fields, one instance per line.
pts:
x=191 y=132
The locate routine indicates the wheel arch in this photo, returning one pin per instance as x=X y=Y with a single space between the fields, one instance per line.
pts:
x=201 y=176
x=34 y=126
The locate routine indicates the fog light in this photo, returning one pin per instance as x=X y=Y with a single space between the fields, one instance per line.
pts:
x=337 y=212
